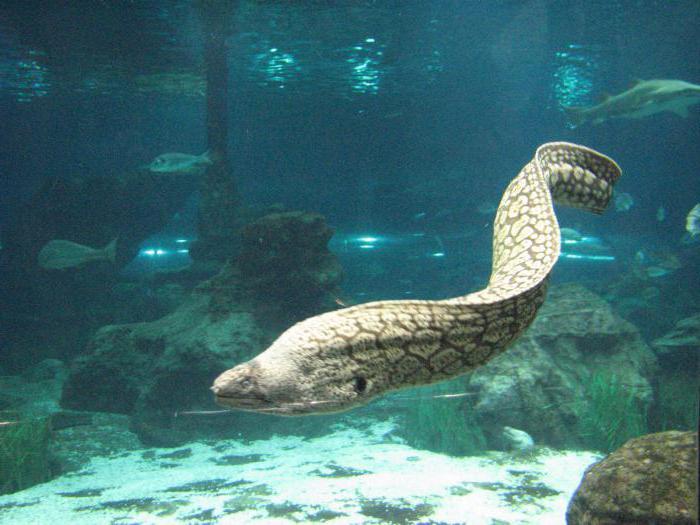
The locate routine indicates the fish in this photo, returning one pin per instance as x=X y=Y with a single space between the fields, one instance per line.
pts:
x=623 y=201
x=346 y=358
x=645 y=98
x=652 y=265
x=569 y=234
x=179 y=163
x=486 y=208
x=60 y=254
x=692 y=221
x=661 y=214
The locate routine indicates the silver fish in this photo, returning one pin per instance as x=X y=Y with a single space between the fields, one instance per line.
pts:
x=623 y=201
x=569 y=234
x=661 y=214
x=646 y=98
x=179 y=163
x=692 y=221
x=59 y=254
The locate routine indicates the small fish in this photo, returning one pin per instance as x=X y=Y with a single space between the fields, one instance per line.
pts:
x=393 y=115
x=569 y=234
x=692 y=221
x=179 y=163
x=486 y=208
x=652 y=265
x=623 y=201
x=59 y=254
x=661 y=214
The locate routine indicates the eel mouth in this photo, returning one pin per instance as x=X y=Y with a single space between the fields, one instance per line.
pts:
x=254 y=403
x=265 y=406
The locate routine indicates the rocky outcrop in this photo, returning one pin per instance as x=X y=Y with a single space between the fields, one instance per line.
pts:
x=285 y=260
x=154 y=370
x=683 y=342
x=650 y=479
x=540 y=385
x=62 y=307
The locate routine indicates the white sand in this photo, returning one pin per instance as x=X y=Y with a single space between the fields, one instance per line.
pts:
x=290 y=471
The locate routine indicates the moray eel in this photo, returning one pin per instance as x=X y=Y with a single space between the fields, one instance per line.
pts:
x=345 y=358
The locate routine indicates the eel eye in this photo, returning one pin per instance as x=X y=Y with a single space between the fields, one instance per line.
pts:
x=245 y=382
x=360 y=384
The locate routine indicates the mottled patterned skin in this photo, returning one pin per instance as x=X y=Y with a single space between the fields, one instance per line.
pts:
x=341 y=359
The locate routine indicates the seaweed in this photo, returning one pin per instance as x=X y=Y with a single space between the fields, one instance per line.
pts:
x=24 y=455
x=448 y=426
x=609 y=413
x=676 y=404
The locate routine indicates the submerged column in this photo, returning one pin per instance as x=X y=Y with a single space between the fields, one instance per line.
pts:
x=218 y=199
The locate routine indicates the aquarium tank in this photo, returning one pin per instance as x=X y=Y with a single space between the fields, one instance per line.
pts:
x=349 y=262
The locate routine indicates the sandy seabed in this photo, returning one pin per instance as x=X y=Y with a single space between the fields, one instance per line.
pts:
x=350 y=476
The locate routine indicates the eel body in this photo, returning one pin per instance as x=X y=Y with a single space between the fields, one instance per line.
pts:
x=345 y=358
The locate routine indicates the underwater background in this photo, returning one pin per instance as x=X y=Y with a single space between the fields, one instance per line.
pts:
x=330 y=154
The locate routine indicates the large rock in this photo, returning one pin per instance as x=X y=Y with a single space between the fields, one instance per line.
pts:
x=285 y=259
x=153 y=370
x=650 y=479
x=540 y=384
x=682 y=343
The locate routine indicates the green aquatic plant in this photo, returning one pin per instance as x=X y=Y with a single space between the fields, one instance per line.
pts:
x=443 y=424
x=609 y=413
x=24 y=456
x=676 y=406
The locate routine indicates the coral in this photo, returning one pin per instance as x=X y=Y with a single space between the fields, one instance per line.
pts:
x=24 y=457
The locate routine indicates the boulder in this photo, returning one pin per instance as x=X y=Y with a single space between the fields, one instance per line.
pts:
x=650 y=479
x=542 y=385
x=152 y=370
x=155 y=370
x=285 y=259
x=682 y=343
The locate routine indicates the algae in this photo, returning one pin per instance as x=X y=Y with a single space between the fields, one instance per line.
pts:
x=609 y=414
x=24 y=455
x=445 y=425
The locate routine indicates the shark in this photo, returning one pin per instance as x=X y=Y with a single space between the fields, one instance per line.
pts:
x=645 y=98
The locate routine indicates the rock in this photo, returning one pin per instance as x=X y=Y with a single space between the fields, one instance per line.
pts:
x=650 y=479
x=89 y=435
x=683 y=341
x=63 y=307
x=285 y=258
x=46 y=370
x=35 y=393
x=517 y=440
x=161 y=367
x=154 y=370
x=539 y=384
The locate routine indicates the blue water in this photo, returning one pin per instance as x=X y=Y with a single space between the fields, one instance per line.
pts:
x=400 y=122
